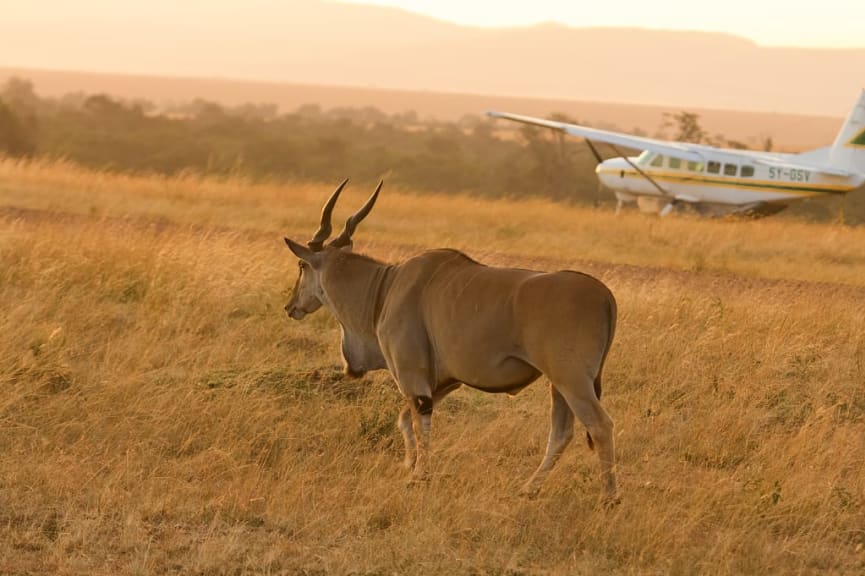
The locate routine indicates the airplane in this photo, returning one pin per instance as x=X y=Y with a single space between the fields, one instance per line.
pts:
x=670 y=176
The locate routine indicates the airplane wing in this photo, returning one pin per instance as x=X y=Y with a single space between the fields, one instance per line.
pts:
x=683 y=150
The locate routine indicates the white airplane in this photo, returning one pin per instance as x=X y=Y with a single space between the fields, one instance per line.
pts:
x=715 y=181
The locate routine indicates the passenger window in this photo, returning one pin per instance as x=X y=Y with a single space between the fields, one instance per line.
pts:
x=730 y=169
x=747 y=171
x=675 y=163
x=695 y=166
x=657 y=160
x=714 y=167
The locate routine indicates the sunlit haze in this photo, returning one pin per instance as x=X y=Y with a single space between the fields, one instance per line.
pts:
x=829 y=23
x=768 y=56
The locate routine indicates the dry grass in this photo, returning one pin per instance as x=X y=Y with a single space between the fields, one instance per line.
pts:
x=158 y=414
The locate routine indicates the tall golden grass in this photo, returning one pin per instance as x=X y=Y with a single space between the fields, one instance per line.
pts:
x=159 y=414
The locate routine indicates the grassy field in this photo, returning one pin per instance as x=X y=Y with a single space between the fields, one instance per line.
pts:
x=159 y=414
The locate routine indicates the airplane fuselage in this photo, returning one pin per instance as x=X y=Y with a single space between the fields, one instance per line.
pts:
x=722 y=180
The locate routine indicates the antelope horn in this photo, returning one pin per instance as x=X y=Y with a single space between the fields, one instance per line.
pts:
x=324 y=229
x=344 y=238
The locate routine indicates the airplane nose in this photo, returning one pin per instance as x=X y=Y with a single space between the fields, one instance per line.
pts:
x=606 y=174
x=611 y=172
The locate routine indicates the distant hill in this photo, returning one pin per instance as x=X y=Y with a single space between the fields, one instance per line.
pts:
x=788 y=131
x=327 y=43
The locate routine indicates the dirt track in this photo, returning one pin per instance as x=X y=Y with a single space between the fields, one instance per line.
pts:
x=703 y=282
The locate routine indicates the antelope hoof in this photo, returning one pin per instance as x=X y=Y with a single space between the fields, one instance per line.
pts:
x=530 y=490
x=610 y=501
x=416 y=480
x=419 y=476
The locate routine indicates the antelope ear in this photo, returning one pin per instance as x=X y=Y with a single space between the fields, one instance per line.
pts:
x=300 y=250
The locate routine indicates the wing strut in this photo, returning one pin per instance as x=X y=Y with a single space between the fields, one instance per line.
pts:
x=598 y=159
x=594 y=151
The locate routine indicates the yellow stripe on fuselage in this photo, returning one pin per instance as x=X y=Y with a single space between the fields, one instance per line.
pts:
x=801 y=188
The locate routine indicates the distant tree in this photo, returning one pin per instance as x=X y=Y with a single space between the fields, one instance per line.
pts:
x=309 y=111
x=372 y=115
x=207 y=111
x=263 y=112
x=557 y=165
x=103 y=105
x=408 y=118
x=15 y=138
x=334 y=148
x=685 y=125
x=567 y=119
x=560 y=136
x=366 y=115
x=469 y=122
x=19 y=95
x=735 y=144
x=18 y=117
x=483 y=130
x=72 y=100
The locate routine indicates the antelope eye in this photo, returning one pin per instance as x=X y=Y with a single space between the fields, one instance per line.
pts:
x=302 y=265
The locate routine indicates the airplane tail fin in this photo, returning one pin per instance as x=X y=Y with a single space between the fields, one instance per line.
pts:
x=848 y=151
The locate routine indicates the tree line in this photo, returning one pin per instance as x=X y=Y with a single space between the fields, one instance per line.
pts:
x=257 y=141
x=472 y=155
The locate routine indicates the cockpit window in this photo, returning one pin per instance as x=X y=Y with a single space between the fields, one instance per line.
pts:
x=675 y=163
x=657 y=160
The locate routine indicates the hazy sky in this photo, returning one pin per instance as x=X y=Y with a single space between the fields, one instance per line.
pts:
x=823 y=23
x=811 y=23
x=335 y=42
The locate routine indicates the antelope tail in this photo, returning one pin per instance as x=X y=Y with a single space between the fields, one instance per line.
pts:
x=611 y=314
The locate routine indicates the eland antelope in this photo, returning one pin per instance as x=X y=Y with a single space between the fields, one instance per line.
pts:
x=440 y=320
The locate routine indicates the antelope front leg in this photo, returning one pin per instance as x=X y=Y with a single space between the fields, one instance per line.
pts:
x=561 y=432
x=411 y=372
x=422 y=407
x=404 y=421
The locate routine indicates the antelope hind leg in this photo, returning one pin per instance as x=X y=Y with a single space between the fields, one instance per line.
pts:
x=600 y=426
